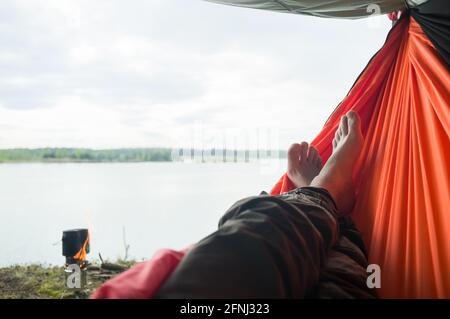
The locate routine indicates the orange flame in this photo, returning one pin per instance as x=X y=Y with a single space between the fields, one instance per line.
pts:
x=82 y=253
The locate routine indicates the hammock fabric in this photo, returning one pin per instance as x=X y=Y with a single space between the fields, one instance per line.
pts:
x=144 y=279
x=403 y=174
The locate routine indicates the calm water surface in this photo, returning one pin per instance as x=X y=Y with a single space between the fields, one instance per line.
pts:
x=160 y=205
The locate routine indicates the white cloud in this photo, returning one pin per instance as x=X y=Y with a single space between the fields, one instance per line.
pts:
x=143 y=73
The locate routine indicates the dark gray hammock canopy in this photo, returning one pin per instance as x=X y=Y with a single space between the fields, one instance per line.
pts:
x=349 y=9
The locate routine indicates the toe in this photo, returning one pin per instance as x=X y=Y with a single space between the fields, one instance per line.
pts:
x=303 y=151
x=337 y=135
x=354 y=122
x=334 y=143
x=318 y=161
x=294 y=154
x=312 y=154
x=344 y=125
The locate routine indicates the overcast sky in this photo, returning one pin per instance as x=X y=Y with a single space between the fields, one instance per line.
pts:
x=142 y=73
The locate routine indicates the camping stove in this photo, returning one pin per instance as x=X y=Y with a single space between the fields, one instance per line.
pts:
x=75 y=243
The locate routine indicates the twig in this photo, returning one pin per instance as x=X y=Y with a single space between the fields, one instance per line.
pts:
x=126 y=246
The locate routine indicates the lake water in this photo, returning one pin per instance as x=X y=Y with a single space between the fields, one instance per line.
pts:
x=160 y=205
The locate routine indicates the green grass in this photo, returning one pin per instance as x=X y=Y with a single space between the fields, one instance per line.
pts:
x=43 y=282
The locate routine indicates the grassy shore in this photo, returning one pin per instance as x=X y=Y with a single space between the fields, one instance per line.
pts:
x=44 y=282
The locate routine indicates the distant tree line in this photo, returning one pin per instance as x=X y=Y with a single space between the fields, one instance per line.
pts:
x=86 y=155
x=132 y=155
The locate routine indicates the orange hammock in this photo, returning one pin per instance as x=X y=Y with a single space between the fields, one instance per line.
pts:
x=403 y=175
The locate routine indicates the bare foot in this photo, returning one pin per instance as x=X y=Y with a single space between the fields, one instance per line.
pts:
x=304 y=163
x=336 y=175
